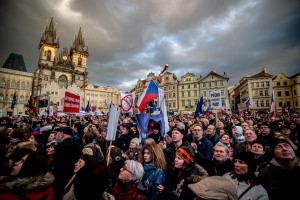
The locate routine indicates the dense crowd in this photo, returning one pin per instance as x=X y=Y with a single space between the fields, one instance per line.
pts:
x=219 y=156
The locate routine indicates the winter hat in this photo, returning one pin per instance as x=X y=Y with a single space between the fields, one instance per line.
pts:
x=136 y=141
x=65 y=129
x=264 y=124
x=258 y=142
x=239 y=130
x=179 y=130
x=34 y=165
x=156 y=126
x=214 y=187
x=248 y=158
x=186 y=154
x=276 y=141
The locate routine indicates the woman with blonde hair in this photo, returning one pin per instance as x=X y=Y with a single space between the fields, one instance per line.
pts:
x=154 y=162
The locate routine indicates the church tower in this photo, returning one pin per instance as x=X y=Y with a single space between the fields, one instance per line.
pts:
x=60 y=72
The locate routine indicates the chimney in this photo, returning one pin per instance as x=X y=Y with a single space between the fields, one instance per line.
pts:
x=264 y=70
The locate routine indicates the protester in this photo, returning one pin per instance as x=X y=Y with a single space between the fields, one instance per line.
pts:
x=134 y=150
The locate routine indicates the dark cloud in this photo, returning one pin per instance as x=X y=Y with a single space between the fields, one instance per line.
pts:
x=127 y=39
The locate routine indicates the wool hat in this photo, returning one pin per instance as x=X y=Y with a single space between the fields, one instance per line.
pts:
x=179 y=130
x=276 y=141
x=136 y=141
x=258 y=142
x=156 y=126
x=264 y=124
x=214 y=187
x=239 y=130
x=248 y=158
x=186 y=154
x=65 y=129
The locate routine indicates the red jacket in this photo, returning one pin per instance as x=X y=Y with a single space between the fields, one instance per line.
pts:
x=127 y=191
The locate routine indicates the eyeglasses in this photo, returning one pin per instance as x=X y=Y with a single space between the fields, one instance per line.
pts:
x=125 y=168
x=197 y=130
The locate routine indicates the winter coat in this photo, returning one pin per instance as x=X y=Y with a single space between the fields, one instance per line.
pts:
x=257 y=192
x=127 y=191
x=152 y=177
x=28 y=188
x=215 y=169
x=205 y=150
x=176 y=186
x=280 y=183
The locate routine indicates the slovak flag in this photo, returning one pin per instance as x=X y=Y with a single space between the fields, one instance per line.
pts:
x=284 y=109
x=88 y=107
x=248 y=103
x=207 y=111
x=150 y=93
x=273 y=105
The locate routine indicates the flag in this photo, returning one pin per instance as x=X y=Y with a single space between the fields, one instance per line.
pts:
x=284 y=109
x=207 y=111
x=37 y=130
x=14 y=100
x=163 y=110
x=150 y=93
x=152 y=105
x=273 y=105
x=88 y=107
x=247 y=103
x=199 y=111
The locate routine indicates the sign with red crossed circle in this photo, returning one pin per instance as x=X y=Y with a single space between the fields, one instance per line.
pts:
x=127 y=103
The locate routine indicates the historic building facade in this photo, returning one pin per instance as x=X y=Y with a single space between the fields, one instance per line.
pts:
x=258 y=88
x=188 y=93
x=211 y=82
x=60 y=72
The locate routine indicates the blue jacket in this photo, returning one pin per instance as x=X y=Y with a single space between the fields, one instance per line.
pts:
x=153 y=177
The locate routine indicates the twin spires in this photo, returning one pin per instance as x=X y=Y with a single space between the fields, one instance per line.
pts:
x=49 y=37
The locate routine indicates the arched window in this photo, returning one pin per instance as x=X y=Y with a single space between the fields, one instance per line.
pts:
x=79 y=61
x=45 y=53
x=11 y=98
x=48 y=55
x=23 y=85
x=2 y=83
x=21 y=99
x=1 y=97
x=18 y=84
x=63 y=81
x=13 y=84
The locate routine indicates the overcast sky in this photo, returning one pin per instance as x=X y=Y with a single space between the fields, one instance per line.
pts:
x=127 y=39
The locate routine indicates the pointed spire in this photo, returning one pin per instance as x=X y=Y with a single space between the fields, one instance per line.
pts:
x=79 y=44
x=49 y=35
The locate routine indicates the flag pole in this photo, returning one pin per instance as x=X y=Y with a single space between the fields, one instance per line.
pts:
x=108 y=157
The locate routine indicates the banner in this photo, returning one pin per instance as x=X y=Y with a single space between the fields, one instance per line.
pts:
x=113 y=119
x=127 y=103
x=71 y=103
x=215 y=99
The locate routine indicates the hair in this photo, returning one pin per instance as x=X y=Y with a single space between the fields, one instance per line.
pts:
x=34 y=165
x=150 y=141
x=91 y=181
x=192 y=154
x=89 y=159
x=135 y=168
x=89 y=137
x=26 y=145
x=19 y=133
x=220 y=144
x=157 y=155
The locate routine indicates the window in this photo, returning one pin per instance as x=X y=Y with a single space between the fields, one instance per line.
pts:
x=280 y=103
x=189 y=94
x=257 y=103
x=204 y=93
x=255 y=93
x=261 y=103
x=195 y=85
x=204 y=85
x=173 y=104
x=182 y=103
x=13 y=84
x=267 y=103
x=279 y=93
x=170 y=105
x=278 y=83
x=222 y=92
x=295 y=92
x=174 y=95
x=48 y=55
x=173 y=87
x=195 y=93
x=23 y=85
x=268 y=83
x=189 y=103
x=261 y=93
x=287 y=93
x=257 y=84
x=182 y=87
x=1 y=97
x=262 y=84
x=63 y=81
x=182 y=94
x=296 y=102
x=170 y=95
x=79 y=61
x=2 y=83
x=189 y=86
x=266 y=93
x=284 y=83
x=21 y=100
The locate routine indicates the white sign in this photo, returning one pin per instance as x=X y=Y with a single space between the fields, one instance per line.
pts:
x=127 y=103
x=215 y=99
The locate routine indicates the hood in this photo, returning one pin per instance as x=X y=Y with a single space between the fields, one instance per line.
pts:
x=33 y=183
x=197 y=173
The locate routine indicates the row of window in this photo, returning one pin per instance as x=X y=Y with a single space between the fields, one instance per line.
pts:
x=213 y=84
x=260 y=84
x=194 y=103
x=14 y=84
x=20 y=99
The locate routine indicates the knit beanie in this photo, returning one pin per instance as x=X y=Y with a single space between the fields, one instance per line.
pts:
x=248 y=158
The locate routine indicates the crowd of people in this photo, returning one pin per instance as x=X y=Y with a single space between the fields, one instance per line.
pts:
x=218 y=156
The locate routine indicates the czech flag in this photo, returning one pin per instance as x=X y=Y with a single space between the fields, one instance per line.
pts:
x=273 y=105
x=14 y=100
x=207 y=111
x=150 y=93
x=284 y=109
x=37 y=130
x=248 y=103
x=88 y=107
